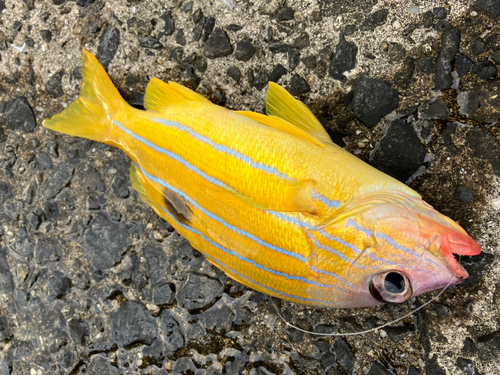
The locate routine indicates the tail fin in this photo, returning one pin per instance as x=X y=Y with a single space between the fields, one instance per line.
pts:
x=88 y=116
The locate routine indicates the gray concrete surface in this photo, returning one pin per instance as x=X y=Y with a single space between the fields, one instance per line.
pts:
x=91 y=281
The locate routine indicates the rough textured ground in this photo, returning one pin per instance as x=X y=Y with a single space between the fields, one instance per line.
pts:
x=91 y=281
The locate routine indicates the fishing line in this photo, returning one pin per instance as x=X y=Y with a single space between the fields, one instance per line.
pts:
x=288 y=324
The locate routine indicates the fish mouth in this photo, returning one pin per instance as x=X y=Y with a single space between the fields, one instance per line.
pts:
x=446 y=245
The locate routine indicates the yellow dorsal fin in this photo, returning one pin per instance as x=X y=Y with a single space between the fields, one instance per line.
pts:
x=283 y=105
x=280 y=124
x=160 y=94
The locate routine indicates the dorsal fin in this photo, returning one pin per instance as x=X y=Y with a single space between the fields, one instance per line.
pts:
x=160 y=94
x=283 y=125
x=283 y=105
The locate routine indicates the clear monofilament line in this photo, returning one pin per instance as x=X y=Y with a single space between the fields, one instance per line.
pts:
x=369 y=330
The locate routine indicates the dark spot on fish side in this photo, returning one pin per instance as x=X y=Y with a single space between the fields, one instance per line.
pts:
x=176 y=205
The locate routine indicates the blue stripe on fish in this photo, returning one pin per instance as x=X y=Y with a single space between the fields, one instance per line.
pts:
x=389 y=240
x=337 y=253
x=325 y=200
x=217 y=218
x=268 y=288
x=222 y=148
x=250 y=261
x=333 y=238
x=174 y=156
x=237 y=230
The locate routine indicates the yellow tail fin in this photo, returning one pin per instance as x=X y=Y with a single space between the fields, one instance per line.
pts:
x=89 y=116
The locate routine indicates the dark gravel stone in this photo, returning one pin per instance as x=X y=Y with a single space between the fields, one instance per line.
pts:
x=463 y=193
x=236 y=366
x=412 y=370
x=478 y=47
x=120 y=185
x=476 y=266
x=5 y=333
x=108 y=45
x=437 y=110
x=345 y=355
x=442 y=311
x=92 y=180
x=344 y=59
x=442 y=25
x=285 y=14
x=469 y=347
x=400 y=153
x=148 y=42
x=234 y=73
x=427 y=19
x=467 y=366
x=198 y=291
x=260 y=79
x=57 y=180
x=373 y=99
x=208 y=28
x=136 y=100
x=42 y=161
x=440 y=13
x=302 y=41
x=101 y=366
x=484 y=102
x=298 y=85
x=79 y=331
x=19 y=115
x=217 y=45
x=105 y=242
x=484 y=70
x=278 y=47
x=378 y=369
x=17 y=26
x=169 y=27
x=375 y=19
x=163 y=295
x=450 y=44
x=180 y=39
x=187 y=7
x=184 y=365
x=47 y=250
x=219 y=317
x=58 y=286
x=5 y=190
x=171 y=331
x=2 y=6
x=396 y=334
x=496 y=57
x=139 y=27
x=154 y=354
x=101 y=347
x=278 y=72
x=432 y=366
x=157 y=263
x=133 y=324
x=425 y=64
x=46 y=35
x=198 y=30
x=489 y=346
x=463 y=65
x=309 y=62
x=490 y=6
x=233 y=27
x=197 y=16
x=244 y=50
x=293 y=58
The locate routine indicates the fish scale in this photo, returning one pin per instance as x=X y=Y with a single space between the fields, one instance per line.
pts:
x=270 y=199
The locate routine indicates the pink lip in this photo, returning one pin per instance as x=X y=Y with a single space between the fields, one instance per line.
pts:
x=460 y=244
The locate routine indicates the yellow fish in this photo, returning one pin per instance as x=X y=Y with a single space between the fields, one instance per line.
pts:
x=271 y=200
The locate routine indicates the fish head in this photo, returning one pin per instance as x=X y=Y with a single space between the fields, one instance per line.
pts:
x=406 y=248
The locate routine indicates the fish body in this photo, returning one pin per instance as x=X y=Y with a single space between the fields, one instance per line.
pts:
x=271 y=200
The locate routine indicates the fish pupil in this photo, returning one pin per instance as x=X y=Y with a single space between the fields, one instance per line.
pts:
x=394 y=283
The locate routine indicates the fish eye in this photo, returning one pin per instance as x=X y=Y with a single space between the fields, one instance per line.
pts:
x=391 y=287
